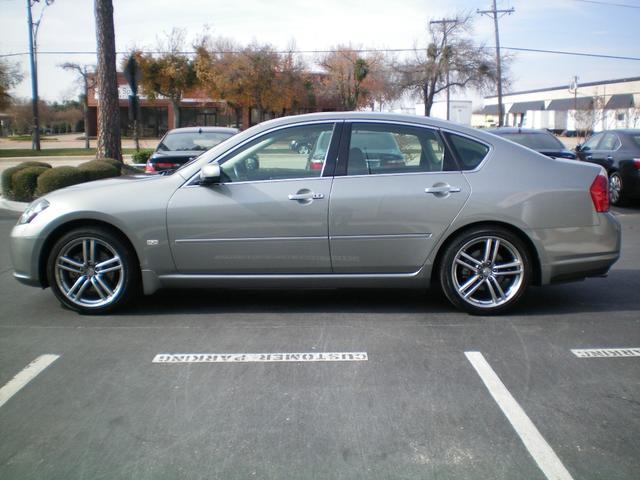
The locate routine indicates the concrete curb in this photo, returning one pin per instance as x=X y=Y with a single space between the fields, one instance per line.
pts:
x=13 y=206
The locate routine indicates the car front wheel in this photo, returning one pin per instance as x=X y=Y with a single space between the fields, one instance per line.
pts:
x=485 y=271
x=92 y=271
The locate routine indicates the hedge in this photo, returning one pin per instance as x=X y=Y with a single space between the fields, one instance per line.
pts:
x=61 y=177
x=24 y=183
x=141 y=156
x=7 y=176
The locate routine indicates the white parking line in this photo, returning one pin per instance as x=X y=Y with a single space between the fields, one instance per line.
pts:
x=606 y=352
x=260 y=357
x=534 y=442
x=30 y=372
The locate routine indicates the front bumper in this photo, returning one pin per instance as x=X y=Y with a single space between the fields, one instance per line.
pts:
x=25 y=255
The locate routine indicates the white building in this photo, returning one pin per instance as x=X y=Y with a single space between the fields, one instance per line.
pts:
x=590 y=107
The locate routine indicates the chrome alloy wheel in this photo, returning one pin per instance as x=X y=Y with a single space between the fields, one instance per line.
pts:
x=89 y=272
x=487 y=272
x=615 y=188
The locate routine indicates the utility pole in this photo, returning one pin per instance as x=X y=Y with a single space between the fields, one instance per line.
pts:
x=33 y=51
x=445 y=23
x=496 y=14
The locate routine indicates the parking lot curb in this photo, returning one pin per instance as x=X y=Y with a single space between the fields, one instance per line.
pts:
x=13 y=206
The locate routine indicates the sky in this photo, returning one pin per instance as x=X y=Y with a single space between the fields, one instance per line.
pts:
x=568 y=25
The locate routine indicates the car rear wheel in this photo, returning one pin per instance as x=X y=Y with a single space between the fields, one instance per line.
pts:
x=615 y=189
x=485 y=271
x=92 y=271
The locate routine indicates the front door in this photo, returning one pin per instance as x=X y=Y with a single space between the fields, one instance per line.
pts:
x=268 y=215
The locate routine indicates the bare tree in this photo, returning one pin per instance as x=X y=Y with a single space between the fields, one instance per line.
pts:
x=451 y=51
x=88 y=81
x=10 y=76
x=109 y=143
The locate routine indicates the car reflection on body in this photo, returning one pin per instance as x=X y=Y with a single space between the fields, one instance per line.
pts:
x=483 y=217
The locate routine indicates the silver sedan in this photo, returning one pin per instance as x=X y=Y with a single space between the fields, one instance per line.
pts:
x=413 y=201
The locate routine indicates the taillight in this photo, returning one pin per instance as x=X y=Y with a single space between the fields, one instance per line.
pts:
x=167 y=165
x=600 y=193
x=636 y=163
x=315 y=165
x=148 y=168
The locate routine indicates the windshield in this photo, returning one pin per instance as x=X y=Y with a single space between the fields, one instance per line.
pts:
x=535 y=141
x=192 y=141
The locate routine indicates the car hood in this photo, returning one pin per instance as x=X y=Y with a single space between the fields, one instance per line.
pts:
x=128 y=180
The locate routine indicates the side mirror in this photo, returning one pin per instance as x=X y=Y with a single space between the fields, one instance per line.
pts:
x=578 y=147
x=210 y=174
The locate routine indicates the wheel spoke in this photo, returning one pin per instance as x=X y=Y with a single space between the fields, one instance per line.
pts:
x=80 y=281
x=496 y=246
x=465 y=264
x=470 y=286
x=82 y=289
x=507 y=265
x=491 y=290
x=104 y=267
x=476 y=262
x=487 y=249
x=497 y=286
x=103 y=285
x=92 y=251
x=69 y=265
x=97 y=288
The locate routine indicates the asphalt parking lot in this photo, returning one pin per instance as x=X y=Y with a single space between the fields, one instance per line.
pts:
x=416 y=406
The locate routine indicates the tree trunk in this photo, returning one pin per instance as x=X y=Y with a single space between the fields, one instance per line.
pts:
x=109 y=144
x=85 y=113
x=175 y=102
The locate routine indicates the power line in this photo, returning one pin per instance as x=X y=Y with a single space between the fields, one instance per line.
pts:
x=362 y=50
x=625 y=5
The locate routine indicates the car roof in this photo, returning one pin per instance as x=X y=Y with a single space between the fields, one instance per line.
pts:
x=204 y=129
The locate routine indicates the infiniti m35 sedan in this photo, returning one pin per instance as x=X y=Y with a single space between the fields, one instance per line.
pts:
x=483 y=217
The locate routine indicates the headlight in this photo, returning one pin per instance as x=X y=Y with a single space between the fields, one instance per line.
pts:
x=33 y=210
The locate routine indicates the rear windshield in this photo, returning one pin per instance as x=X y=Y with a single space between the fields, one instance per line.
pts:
x=535 y=141
x=192 y=141
x=635 y=139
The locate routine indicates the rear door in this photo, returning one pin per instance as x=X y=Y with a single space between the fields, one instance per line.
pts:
x=385 y=217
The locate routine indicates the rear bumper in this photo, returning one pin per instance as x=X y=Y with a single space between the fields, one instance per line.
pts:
x=579 y=252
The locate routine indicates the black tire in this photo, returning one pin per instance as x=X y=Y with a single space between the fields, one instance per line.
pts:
x=92 y=271
x=616 y=190
x=489 y=283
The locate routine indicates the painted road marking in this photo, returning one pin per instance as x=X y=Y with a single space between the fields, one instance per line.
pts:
x=30 y=372
x=260 y=357
x=606 y=352
x=534 y=442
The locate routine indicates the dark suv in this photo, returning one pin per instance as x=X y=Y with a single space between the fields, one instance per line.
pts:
x=541 y=141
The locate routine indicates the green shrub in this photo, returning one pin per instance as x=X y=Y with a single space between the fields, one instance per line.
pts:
x=98 y=169
x=59 y=177
x=141 y=156
x=116 y=163
x=24 y=183
x=7 y=176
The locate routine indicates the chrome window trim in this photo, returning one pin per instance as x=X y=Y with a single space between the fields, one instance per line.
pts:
x=228 y=184
x=335 y=122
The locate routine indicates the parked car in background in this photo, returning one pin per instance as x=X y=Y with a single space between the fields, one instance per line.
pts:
x=180 y=145
x=479 y=215
x=541 y=141
x=618 y=152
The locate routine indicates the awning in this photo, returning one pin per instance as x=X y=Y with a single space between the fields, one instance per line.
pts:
x=490 y=110
x=523 y=107
x=620 y=101
x=563 y=104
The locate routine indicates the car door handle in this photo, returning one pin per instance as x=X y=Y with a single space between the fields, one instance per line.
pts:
x=442 y=189
x=306 y=196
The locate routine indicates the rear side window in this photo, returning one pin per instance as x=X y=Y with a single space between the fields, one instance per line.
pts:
x=469 y=153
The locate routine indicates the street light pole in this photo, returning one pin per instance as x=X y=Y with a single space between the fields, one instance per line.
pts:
x=494 y=12
x=35 y=129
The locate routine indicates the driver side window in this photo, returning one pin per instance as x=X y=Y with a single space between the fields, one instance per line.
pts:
x=294 y=152
x=592 y=143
